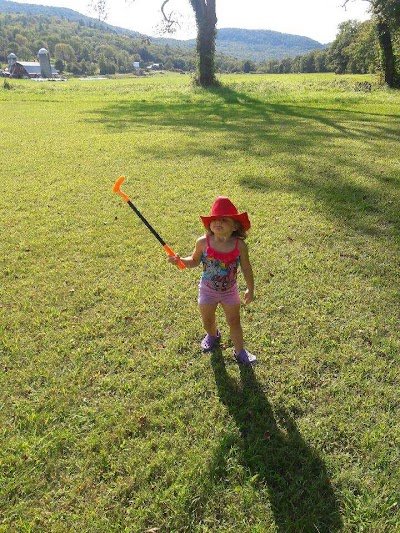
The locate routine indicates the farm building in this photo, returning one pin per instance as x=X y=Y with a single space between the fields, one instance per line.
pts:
x=28 y=69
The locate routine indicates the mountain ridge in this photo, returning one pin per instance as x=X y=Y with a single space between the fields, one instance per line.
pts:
x=240 y=43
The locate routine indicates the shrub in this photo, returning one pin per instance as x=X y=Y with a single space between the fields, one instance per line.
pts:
x=7 y=85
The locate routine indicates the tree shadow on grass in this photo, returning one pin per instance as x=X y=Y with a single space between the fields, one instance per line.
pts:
x=257 y=128
x=272 y=448
x=372 y=211
x=247 y=119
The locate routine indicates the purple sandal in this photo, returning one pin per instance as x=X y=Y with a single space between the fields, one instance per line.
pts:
x=210 y=341
x=245 y=358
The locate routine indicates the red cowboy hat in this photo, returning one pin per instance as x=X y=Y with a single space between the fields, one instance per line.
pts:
x=224 y=208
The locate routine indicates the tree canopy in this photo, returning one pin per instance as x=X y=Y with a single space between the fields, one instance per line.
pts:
x=386 y=14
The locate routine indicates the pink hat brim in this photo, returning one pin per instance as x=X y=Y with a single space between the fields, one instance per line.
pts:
x=240 y=217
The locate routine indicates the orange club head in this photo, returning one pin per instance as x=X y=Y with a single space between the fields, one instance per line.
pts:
x=117 y=188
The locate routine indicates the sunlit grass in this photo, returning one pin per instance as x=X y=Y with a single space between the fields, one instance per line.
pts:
x=111 y=418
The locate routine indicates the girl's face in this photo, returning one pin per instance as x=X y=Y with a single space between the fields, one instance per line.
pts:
x=223 y=227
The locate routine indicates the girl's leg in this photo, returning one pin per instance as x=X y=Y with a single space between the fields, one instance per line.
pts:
x=232 y=313
x=207 y=312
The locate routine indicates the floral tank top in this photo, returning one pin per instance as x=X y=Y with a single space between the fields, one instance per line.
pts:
x=219 y=268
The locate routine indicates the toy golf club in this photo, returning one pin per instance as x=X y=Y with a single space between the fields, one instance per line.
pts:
x=117 y=189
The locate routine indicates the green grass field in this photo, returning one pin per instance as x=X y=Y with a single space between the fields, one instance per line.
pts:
x=111 y=418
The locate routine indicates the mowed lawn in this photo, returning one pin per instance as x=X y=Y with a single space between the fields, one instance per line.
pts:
x=111 y=418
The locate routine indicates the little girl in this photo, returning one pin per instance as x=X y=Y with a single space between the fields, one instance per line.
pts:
x=221 y=251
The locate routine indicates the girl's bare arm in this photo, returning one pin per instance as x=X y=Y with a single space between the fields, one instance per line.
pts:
x=247 y=271
x=193 y=260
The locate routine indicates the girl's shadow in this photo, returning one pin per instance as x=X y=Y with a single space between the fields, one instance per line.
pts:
x=273 y=450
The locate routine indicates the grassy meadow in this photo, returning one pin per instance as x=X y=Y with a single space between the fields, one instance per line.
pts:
x=111 y=418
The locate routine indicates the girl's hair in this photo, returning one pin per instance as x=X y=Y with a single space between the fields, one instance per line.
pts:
x=239 y=231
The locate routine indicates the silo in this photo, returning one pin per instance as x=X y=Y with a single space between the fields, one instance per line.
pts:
x=12 y=59
x=44 y=60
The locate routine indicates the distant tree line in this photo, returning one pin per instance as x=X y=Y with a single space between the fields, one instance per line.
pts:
x=82 y=48
x=354 y=51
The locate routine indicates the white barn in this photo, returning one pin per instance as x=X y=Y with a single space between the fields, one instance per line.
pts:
x=28 y=69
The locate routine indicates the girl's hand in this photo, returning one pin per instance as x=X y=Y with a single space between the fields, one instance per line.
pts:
x=248 y=296
x=173 y=259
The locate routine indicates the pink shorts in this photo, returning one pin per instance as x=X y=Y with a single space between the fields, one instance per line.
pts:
x=211 y=296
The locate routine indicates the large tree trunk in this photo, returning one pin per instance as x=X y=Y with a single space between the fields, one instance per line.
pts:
x=206 y=20
x=387 y=56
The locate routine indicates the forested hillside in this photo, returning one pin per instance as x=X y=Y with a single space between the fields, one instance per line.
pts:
x=86 y=46
x=82 y=47
x=252 y=44
x=255 y=45
x=34 y=9
x=237 y=44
